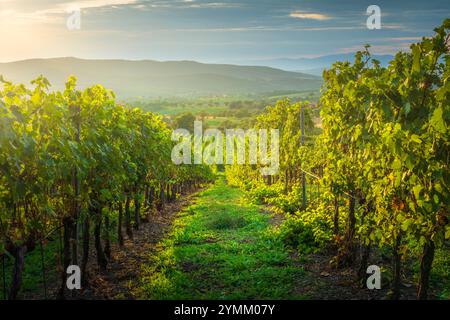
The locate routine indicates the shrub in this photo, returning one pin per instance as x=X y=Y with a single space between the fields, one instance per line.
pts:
x=262 y=193
x=294 y=233
x=307 y=231
x=285 y=203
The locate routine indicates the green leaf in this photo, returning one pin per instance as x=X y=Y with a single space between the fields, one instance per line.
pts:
x=396 y=164
x=436 y=199
x=416 y=58
x=407 y=108
x=437 y=120
x=415 y=138
x=416 y=190
x=406 y=224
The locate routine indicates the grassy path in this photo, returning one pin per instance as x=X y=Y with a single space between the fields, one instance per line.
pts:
x=219 y=248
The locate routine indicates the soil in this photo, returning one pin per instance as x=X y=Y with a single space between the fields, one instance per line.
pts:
x=124 y=267
x=320 y=280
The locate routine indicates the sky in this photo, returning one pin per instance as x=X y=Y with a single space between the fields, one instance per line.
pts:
x=216 y=31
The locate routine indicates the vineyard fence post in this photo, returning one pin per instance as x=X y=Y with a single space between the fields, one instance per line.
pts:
x=4 y=276
x=302 y=125
x=44 y=276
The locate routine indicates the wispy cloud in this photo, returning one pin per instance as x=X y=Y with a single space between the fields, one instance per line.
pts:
x=257 y=29
x=378 y=49
x=308 y=15
x=186 y=4
x=405 y=39
x=87 y=4
x=213 y=5
x=56 y=13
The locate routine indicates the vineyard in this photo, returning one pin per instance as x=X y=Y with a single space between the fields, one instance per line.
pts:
x=381 y=162
x=75 y=160
x=370 y=185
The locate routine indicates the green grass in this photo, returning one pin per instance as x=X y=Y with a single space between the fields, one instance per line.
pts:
x=220 y=248
x=33 y=280
x=440 y=273
x=33 y=273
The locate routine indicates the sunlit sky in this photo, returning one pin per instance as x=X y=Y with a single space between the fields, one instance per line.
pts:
x=210 y=31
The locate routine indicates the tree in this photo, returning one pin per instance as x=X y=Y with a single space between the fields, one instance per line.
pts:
x=185 y=121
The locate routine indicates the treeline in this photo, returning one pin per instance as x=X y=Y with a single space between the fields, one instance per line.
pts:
x=76 y=160
x=382 y=160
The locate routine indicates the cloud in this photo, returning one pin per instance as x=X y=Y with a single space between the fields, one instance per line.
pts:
x=405 y=39
x=213 y=5
x=57 y=13
x=308 y=15
x=378 y=49
x=256 y=29
x=85 y=4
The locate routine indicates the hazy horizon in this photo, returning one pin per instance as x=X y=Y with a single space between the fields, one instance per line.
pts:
x=172 y=60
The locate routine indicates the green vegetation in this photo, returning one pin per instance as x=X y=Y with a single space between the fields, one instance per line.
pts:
x=220 y=248
x=237 y=111
x=65 y=157
x=381 y=162
x=33 y=285
x=363 y=177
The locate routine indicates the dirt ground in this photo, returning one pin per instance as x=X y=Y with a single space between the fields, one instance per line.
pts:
x=320 y=281
x=125 y=264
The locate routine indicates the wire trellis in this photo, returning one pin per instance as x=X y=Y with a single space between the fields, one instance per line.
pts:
x=43 y=267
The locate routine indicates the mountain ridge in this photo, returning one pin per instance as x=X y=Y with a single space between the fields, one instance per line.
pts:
x=314 y=65
x=151 y=78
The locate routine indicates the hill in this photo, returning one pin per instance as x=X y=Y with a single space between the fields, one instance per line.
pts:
x=314 y=66
x=148 y=78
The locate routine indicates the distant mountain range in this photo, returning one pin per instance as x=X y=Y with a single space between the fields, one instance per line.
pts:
x=314 y=66
x=147 y=78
